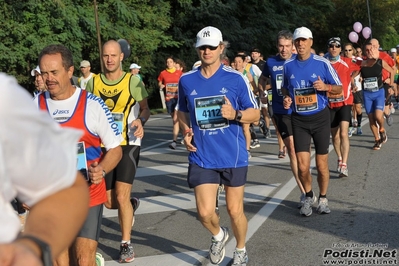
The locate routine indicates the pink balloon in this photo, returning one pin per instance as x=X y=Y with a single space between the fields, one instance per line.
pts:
x=353 y=37
x=357 y=27
x=366 y=32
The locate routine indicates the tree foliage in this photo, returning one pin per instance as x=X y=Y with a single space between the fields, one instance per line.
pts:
x=156 y=29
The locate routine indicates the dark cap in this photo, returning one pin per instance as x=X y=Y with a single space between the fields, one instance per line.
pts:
x=255 y=50
x=335 y=40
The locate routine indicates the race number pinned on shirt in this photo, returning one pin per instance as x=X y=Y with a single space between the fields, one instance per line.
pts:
x=279 y=81
x=208 y=112
x=82 y=161
x=370 y=84
x=336 y=98
x=118 y=118
x=305 y=99
x=171 y=91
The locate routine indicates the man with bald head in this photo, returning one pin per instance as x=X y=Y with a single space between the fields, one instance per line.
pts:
x=386 y=79
x=126 y=98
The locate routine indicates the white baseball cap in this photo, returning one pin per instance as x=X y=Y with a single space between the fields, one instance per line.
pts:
x=33 y=72
x=197 y=64
x=302 y=32
x=393 y=50
x=209 y=36
x=134 y=65
x=84 y=63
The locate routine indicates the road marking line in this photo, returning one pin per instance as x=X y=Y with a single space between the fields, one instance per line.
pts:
x=196 y=257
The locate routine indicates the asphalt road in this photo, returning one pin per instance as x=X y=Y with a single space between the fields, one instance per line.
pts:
x=362 y=227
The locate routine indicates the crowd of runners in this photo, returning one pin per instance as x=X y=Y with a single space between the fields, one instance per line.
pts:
x=219 y=106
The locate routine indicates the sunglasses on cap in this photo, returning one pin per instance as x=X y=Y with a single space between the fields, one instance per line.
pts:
x=204 y=47
x=333 y=45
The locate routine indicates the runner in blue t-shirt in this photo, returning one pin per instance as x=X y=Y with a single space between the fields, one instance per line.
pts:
x=217 y=100
x=306 y=81
x=273 y=70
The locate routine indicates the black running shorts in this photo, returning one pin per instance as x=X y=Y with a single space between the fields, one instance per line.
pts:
x=232 y=177
x=126 y=169
x=358 y=97
x=339 y=114
x=283 y=124
x=92 y=225
x=316 y=127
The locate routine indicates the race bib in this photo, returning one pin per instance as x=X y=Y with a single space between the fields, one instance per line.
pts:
x=305 y=99
x=279 y=81
x=370 y=84
x=208 y=112
x=336 y=98
x=82 y=161
x=118 y=118
x=171 y=90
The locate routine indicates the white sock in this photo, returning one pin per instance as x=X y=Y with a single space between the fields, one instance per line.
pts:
x=241 y=249
x=219 y=236
x=125 y=242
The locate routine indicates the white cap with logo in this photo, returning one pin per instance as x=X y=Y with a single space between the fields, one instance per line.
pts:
x=209 y=36
x=134 y=65
x=33 y=72
x=302 y=32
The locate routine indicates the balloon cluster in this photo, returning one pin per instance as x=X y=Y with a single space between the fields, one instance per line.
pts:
x=358 y=27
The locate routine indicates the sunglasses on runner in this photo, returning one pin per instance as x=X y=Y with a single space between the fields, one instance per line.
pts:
x=349 y=50
x=204 y=47
x=336 y=46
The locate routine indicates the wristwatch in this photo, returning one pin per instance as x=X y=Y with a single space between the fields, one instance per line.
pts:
x=142 y=119
x=238 y=116
x=44 y=248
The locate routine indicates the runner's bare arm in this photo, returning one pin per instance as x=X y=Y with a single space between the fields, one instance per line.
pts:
x=57 y=227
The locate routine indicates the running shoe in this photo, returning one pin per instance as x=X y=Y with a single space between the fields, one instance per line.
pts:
x=344 y=171
x=126 y=253
x=339 y=164
x=135 y=204
x=262 y=126
x=377 y=145
x=350 y=131
x=255 y=144
x=173 y=145
x=240 y=258
x=306 y=208
x=281 y=154
x=383 y=137
x=99 y=259
x=389 y=120
x=217 y=249
x=359 y=131
x=301 y=200
x=323 y=206
x=249 y=155
x=392 y=107
x=268 y=133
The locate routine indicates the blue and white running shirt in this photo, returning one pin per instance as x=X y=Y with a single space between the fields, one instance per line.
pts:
x=274 y=69
x=220 y=142
x=298 y=78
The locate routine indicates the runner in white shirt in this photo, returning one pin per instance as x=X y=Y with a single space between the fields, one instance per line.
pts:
x=29 y=139
x=77 y=108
